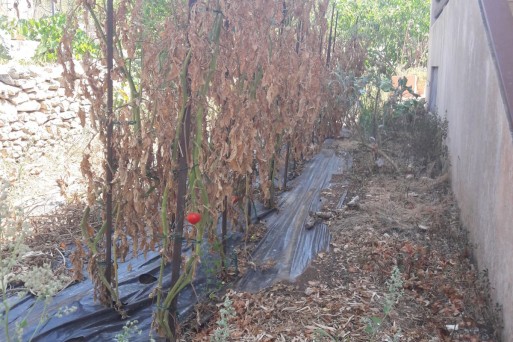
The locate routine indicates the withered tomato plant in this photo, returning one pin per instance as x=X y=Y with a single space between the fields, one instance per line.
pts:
x=208 y=93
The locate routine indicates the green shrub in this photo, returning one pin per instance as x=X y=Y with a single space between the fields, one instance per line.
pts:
x=49 y=32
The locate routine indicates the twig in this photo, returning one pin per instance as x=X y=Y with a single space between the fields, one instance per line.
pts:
x=62 y=255
x=384 y=155
x=349 y=320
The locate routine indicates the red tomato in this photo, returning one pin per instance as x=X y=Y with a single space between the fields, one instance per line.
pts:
x=193 y=218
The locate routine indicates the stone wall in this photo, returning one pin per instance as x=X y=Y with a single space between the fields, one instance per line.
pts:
x=35 y=113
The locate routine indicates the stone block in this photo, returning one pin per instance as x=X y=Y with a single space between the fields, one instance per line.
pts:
x=13 y=73
x=54 y=86
x=65 y=105
x=74 y=107
x=68 y=115
x=8 y=111
x=29 y=106
x=40 y=118
x=14 y=135
x=38 y=95
x=6 y=78
x=20 y=98
x=16 y=126
x=7 y=91
x=31 y=128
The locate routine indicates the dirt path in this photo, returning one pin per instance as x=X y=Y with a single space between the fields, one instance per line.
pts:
x=399 y=269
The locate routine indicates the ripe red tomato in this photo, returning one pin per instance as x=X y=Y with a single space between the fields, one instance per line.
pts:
x=193 y=218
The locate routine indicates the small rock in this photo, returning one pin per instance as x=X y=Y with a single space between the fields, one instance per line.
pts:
x=28 y=84
x=65 y=125
x=14 y=73
x=39 y=117
x=43 y=135
x=29 y=106
x=46 y=106
x=354 y=203
x=20 y=98
x=422 y=227
x=324 y=215
x=452 y=327
x=7 y=79
x=6 y=129
x=309 y=291
x=54 y=102
x=31 y=128
x=9 y=111
x=38 y=95
x=75 y=124
x=22 y=144
x=310 y=222
x=15 y=135
x=7 y=91
x=23 y=117
x=67 y=115
x=65 y=105
x=54 y=86
x=16 y=126
x=409 y=176
x=74 y=107
x=53 y=130
x=35 y=171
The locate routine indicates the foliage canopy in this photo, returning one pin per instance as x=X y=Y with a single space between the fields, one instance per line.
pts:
x=395 y=32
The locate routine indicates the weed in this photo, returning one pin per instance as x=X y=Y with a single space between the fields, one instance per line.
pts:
x=129 y=330
x=39 y=280
x=393 y=295
x=222 y=331
x=395 y=290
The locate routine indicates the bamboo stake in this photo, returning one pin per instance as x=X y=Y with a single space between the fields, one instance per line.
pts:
x=335 y=33
x=223 y=233
x=328 y=55
x=286 y=171
x=110 y=153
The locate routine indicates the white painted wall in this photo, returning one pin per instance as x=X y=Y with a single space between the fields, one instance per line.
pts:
x=480 y=141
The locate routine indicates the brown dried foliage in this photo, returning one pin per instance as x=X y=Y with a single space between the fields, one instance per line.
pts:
x=260 y=85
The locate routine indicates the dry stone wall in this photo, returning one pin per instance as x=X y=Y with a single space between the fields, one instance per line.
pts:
x=35 y=113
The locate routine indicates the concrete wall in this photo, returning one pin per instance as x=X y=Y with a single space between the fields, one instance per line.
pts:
x=480 y=141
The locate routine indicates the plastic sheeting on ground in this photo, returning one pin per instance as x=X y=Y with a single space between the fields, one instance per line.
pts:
x=287 y=244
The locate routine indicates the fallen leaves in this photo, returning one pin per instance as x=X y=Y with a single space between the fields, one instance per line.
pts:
x=346 y=287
